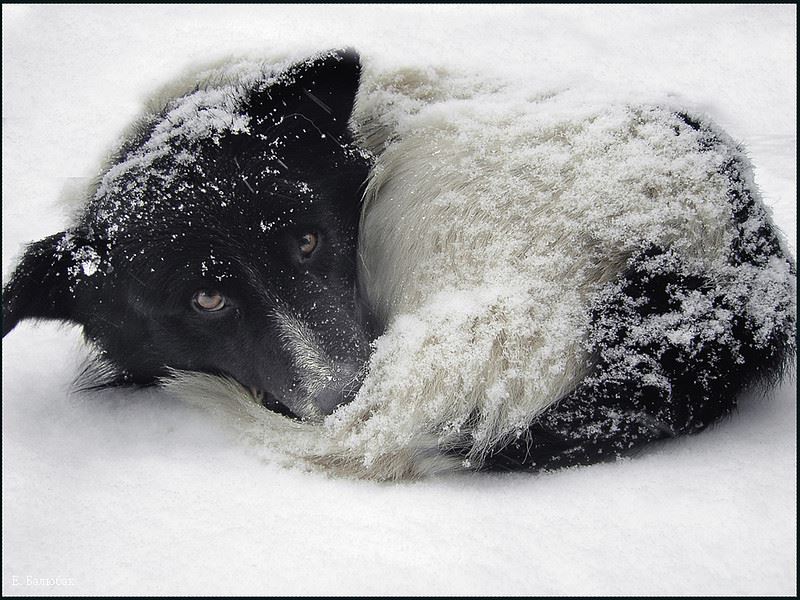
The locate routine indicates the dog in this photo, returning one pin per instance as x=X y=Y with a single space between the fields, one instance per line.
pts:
x=467 y=276
x=221 y=238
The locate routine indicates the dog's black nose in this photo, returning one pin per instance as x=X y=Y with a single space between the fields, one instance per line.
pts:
x=328 y=399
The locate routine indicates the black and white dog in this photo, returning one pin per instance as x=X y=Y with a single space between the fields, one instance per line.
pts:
x=555 y=280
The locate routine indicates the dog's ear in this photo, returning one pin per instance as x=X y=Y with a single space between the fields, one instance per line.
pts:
x=52 y=272
x=322 y=90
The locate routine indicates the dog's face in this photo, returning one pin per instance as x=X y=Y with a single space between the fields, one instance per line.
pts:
x=223 y=242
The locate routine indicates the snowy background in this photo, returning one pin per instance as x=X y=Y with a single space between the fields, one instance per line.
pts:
x=128 y=493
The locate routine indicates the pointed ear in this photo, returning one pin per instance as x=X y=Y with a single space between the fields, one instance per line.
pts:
x=45 y=283
x=323 y=89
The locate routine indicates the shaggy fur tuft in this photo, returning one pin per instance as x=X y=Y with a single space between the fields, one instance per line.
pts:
x=292 y=442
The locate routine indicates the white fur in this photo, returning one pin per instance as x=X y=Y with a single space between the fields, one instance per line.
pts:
x=295 y=443
x=489 y=222
x=316 y=368
x=491 y=218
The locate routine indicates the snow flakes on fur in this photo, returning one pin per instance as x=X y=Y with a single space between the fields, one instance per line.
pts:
x=559 y=278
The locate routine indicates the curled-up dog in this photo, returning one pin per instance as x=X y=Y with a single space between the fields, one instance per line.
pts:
x=391 y=273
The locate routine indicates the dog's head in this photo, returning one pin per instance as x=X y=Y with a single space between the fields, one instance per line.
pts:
x=222 y=239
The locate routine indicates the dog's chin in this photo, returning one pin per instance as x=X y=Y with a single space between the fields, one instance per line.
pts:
x=271 y=403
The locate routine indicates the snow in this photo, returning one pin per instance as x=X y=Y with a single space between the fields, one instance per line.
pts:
x=128 y=493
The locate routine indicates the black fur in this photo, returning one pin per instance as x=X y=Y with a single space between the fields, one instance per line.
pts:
x=222 y=211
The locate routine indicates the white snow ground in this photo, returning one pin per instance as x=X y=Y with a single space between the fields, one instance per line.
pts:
x=126 y=493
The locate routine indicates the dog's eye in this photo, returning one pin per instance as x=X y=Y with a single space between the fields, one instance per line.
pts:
x=308 y=243
x=208 y=301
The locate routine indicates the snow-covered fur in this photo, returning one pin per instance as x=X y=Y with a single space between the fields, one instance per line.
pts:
x=558 y=277
x=501 y=238
x=221 y=237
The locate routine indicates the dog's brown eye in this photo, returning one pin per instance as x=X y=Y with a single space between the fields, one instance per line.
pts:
x=208 y=301
x=308 y=243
